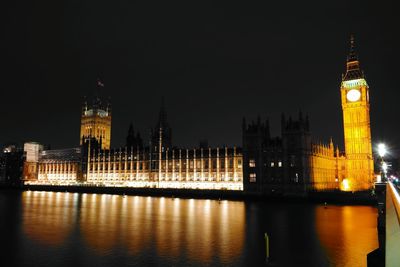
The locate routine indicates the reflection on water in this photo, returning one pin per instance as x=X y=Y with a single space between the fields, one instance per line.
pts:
x=48 y=217
x=347 y=233
x=198 y=230
x=70 y=229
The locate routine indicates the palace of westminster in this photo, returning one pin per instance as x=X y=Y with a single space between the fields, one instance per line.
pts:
x=291 y=163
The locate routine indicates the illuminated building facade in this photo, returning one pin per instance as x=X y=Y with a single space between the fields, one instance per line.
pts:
x=159 y=165
x=96 y=122
x=293 y=163
x=218 y=168
x=32 y=151
x=60 y=166
x=288 y=164
x=327 y=167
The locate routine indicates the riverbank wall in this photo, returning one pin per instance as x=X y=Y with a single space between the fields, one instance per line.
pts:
x=328 y=197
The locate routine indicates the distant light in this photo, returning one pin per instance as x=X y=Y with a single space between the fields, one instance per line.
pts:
x=382 y=150
x=384 y=167
x=346 y=185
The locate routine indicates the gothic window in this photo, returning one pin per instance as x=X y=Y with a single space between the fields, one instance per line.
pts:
x=292 y=160
x=252 y=163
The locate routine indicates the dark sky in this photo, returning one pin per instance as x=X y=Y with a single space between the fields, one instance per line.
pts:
x=214 y=63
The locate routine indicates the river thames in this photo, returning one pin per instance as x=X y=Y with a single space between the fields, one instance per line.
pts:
x=71 y=229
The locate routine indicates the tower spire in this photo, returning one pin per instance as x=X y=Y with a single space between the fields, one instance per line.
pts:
x=162 y=118
x=352 y=55
x=162 y=127
x=353 y=70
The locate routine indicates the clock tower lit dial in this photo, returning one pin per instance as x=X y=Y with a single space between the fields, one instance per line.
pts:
x=359 y=165
x=353 y=95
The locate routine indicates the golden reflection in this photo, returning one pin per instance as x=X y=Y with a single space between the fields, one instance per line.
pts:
x=197 y=230
x=336 y=226
x=99 y=222
x=47 y=216
x=176 y=227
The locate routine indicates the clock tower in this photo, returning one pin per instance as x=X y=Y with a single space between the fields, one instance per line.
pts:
x=359 y=166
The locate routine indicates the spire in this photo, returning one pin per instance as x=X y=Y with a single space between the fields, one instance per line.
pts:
x=163 y=128
x=331 y=146
x=353 y=70
x=352 y=55
x=130 y=130
x=162 y=117
x=108 y=107
x=97 y=101
x=130 y=138
x=84 y=105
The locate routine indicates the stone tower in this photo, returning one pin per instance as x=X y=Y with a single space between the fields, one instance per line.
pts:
x=96 y=121
x=356 y=124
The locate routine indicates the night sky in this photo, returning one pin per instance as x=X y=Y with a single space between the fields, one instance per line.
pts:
x=213 y=64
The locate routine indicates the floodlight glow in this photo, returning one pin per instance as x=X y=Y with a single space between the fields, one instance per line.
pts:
x=382 y=150
x=346 y=185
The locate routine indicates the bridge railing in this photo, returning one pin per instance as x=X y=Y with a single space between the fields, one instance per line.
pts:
x=395 y=197
x=392 y=255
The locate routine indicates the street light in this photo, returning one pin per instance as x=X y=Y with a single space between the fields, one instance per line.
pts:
x=382 y=152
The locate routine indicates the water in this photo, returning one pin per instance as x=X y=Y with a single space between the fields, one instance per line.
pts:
x=70 y=229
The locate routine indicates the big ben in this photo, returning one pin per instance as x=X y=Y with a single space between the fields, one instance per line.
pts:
x=359 y=166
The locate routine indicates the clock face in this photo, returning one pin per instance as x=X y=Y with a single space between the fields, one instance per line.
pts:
x=353 y=95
